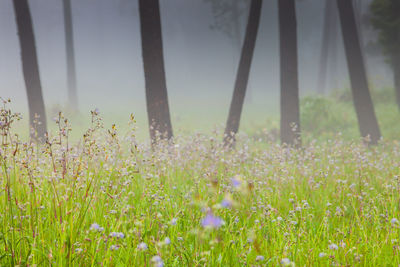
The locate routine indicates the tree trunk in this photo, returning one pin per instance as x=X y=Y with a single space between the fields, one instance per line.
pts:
x=242 y=76
x=361 y=96
x=326 y=43
x=153 y=63
x=290 y=110
x=70 y=53
x=333 y=72
x=30 y=67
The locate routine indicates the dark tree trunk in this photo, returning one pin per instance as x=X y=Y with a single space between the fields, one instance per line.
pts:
x=30 y=68
x=333 y=69
x=326 y=43
x=396 y=74
x=70 y=53
x=153 y=63
x=242 y=76
x=361 y=96
x=290 y=110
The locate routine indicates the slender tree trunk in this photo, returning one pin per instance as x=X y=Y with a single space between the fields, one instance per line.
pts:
x=396 y=74
x=153 y=63
x=242 y=76
x=326 y=43
x=30 y=67
x=290 y=110
x=367 y=121
x=334 y=51
x=70 y=53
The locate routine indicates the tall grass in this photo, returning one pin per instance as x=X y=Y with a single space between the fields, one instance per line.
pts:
x=110 y=200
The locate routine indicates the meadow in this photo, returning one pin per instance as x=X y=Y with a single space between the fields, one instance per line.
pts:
x=111 y=200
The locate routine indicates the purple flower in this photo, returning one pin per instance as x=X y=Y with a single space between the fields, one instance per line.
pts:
x=118 y=235
x=236 y=182
x=173 y=221
x=96 y=227
x=157 y=261
x=212 y=221
x=142 y=246
x=114 y=247
x=226 y=203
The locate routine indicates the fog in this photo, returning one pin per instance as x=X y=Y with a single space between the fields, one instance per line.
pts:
x=200 y=62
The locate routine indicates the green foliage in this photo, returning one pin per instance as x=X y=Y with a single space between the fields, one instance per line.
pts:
x=324 y=118
x=386 y=19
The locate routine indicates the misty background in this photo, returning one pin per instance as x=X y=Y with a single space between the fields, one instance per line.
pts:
x=200 y=62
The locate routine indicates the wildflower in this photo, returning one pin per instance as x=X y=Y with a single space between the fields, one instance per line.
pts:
x=236 y=181
x=173 y=221
x=212 y=221
x=96 y=227
x=180 y=238
x=260 y=258
x=167 y=241
x=117 y=235
x=78 y=250
x=120 y=235
x=157 y=261
x=227 y=202
x=333 y=247
x=394 y=222
x=287 y=262
x=114 y=247
x=322 y=254
x=142 y=246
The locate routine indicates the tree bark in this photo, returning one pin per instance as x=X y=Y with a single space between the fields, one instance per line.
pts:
x=242 y=76
x=70 y=55
x=153 y=63
x=367 y=121
x=30 y=68
x=290 y=110
x=326 y=43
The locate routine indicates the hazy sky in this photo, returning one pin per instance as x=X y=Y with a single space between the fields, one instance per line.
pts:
x=200 y=63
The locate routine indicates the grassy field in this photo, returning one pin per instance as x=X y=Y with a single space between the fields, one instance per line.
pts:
x=109 y=200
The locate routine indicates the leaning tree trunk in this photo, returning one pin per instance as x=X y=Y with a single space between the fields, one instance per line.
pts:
x=70 y=53
x=290 y=110
x=30 y=67
x=242 y=77
x=326 y=43
x=367 y=121
x=153 y=63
